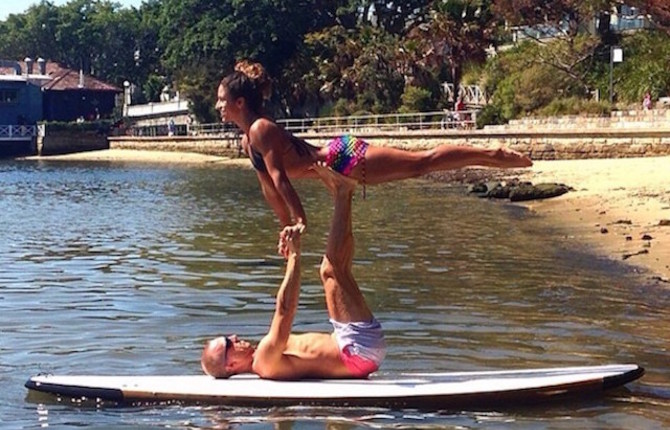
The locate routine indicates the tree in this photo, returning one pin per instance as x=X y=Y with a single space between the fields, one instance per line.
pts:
x=456 y=32
x=30 y=34
x=395 y=17
x=358 y=66
x=566 y=28
x=646 y=67
x=202 y=39
x=99 y=37
x=658 y=12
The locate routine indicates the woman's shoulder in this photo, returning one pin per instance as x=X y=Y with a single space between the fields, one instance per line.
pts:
x=265 y=129
x=264 y=124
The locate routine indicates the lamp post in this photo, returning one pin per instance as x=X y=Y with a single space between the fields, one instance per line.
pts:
x=126 y=97
x=616 y=56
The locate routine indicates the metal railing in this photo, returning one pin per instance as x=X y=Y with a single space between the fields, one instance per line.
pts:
x=438 y=120
x=219 y=128
x=20 y=132
x=158 y=130
x=470 y=94
x=159 y=108
x=399 y=122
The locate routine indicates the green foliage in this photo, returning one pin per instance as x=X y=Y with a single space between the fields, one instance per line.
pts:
x=646 y=67
x=345 y=56
x=199 y=86
x=153 y=87
x=490 y=115
x=357 y=65
x=533 y=78
x=416 y=99
x=504 y=99
x=455 y=33
x=341 y=107
x=575 y=106
x=99 y=126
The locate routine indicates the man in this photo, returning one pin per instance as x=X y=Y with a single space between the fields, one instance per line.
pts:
x=355 y=348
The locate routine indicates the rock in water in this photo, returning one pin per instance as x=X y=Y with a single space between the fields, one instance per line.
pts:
x=526 y=192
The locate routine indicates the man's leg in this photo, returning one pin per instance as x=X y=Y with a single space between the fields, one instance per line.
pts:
x=343 y=297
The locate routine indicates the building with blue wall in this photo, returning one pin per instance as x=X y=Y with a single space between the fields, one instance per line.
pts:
x=51 y=92
x=21 y=101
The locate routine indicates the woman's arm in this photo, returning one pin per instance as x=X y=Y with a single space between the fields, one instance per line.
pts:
x=273 y=198
x=269 y=140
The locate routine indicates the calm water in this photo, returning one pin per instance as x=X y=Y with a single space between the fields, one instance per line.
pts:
x=126 y=269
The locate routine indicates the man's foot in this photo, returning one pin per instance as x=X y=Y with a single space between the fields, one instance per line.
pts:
x=335 y=182
x=509 y=158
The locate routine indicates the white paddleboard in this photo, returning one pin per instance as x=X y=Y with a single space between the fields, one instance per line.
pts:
x=412 y=390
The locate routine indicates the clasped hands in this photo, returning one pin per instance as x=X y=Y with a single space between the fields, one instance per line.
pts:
x=289 y=239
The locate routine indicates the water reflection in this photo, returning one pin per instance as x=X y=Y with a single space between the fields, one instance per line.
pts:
x=126 y=269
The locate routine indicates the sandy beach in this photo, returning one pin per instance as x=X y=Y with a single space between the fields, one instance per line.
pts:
x=619 y=207
x=142 y=156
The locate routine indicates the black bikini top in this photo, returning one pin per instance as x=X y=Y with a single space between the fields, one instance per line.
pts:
x=301 y=147
x=257 y=160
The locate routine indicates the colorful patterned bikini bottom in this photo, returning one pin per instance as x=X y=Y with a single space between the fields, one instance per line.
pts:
x=345 y=153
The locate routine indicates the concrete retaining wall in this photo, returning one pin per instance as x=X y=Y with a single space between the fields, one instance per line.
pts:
x=625 y=134
x=64 y=142
x=224 y=146
x=539 y=145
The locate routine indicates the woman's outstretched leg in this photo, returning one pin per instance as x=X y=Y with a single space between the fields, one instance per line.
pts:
x=385 y=164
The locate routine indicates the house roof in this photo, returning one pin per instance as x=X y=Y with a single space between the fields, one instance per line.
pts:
x=63 y=79
x=68 y=79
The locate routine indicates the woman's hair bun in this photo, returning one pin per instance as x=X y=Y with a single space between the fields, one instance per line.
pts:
x=256 y=73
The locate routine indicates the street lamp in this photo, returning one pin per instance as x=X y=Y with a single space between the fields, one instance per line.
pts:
x=616 y=56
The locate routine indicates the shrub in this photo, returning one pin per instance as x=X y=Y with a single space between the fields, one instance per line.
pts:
x=342 y=107
x=645 y=67
x=99 y=126
x=575 y=106
x=490 y=115
x=416 y=99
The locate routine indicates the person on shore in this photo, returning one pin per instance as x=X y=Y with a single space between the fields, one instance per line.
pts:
x=356 y=347
x=646 y=101
x=171 y=127
x=278 y=156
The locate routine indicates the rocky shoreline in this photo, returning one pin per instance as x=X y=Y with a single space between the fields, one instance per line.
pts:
x=619 y=208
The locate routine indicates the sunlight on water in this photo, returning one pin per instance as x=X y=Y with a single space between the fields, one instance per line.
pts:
x=126 y=269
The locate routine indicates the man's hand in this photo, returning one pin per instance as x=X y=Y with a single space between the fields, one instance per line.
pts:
x=289 y=240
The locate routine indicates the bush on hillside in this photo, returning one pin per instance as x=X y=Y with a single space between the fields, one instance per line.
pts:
x=645 y=67
x=490 y=115
x=575 y=106
x=99 y=126
x=416 y=99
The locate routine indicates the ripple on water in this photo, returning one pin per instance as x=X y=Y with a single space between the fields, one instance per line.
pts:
x=128 y=269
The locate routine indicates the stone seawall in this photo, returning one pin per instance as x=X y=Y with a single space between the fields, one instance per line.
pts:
x=549 y=144
x=546 y=145
x=223 y=146
x=64 y=142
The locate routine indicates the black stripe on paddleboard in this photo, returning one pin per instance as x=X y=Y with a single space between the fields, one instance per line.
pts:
x=610 y=382
x=75 y=391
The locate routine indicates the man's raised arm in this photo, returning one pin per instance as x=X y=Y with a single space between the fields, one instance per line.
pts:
x=269 y=359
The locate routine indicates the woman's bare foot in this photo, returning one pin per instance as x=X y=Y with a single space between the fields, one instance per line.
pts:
x=509 y=158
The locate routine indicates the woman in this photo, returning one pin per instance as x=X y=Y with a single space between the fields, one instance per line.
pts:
x=279 y=156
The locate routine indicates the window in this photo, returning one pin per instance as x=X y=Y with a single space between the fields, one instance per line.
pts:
x=8 y=96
